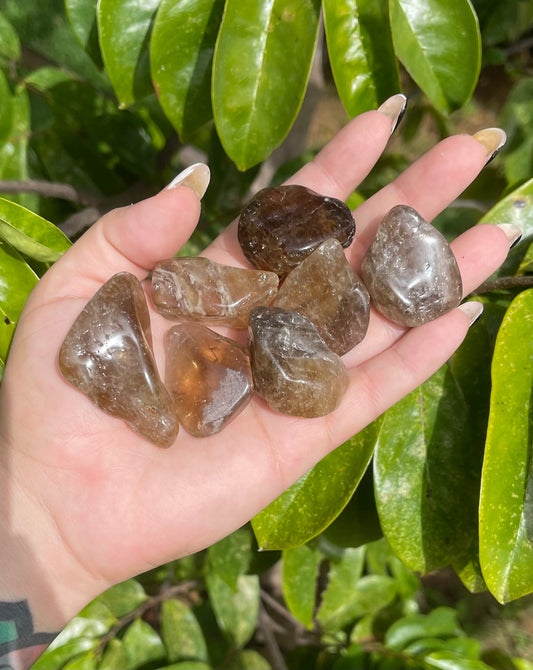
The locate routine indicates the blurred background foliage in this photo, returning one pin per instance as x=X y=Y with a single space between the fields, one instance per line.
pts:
x=101 y=104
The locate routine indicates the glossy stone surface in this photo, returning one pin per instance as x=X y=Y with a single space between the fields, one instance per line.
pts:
x=107 y=355
x=209 y=378
x=410 y=271
x=326 y=290
x=282 y=225
x=293 y=369
x=201 y=290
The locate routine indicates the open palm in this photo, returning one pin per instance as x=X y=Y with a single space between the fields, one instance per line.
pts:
x=116 y=504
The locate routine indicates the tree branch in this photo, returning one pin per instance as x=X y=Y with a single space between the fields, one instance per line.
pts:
x=504 y=283
x=49 y=189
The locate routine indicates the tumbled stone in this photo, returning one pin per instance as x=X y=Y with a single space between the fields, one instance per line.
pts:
x=282 y=225
x=199 y=289
x=107 y=355
x=410 y=271
x=293 y=369
x=209 y=378
x=326 y=290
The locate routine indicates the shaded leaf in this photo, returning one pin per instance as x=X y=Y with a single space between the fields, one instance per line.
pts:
x=261 y=66
x=123 y=598
x=142 y=645
x=317 y=498
x=298 y=581
x=124 y=29
x=6 y=111
x=181 y=633
x=247 y=659
x=181 y=68
x=81 y=15
x=439 y=43
x=506 y=508
x=186 y=665
x=420 y=475
x=236 y=611
x=439 y=623
x=230 y=558
x=360 y=52
x=30 y=234
x=9 y=40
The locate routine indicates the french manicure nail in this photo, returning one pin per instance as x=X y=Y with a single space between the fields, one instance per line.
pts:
x=196 y=177
x=514 y=234
x=394 y=108
x=473 y=310
x=493 y=140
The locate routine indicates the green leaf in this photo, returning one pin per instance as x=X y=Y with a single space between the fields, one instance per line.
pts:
x=343 y=578
x=30 y=234
x=447 y=660
x=247 y=659
x=236 y=612
x=17 y=280
x=439 y=43
x=360 y=52
x=58 y=654
x=261 y=66
x=181 y=68
x=9 y=40
x=85 y=661
x=230 y=558
x=114 y=656
x=142 y=645
x=124 y=29
x=123 y=598
x=298 y=581
x=315 y=500
x=6 y=111
x=420 y=475
x=440 y=622
x=181 y=633
x=506 y=508
x=81 y=15
x=187 y=665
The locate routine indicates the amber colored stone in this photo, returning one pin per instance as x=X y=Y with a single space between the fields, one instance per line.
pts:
x=410 y=271
x=293 y=369
x=326 y=290
x=209 y=378
x=199 y=289
x=107 y=355
x=282 y=225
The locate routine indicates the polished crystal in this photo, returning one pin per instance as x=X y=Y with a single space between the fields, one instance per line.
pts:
x=107 y=355
x=326 y=290
x=410 y=271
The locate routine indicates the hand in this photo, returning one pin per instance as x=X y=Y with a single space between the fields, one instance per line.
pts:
x=92 y=502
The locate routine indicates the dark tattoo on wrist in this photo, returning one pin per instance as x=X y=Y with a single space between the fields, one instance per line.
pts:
x=20 y=645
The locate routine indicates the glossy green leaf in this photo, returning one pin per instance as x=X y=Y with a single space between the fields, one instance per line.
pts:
x=236 y=611
x=230 y=558
x=506 y=509
x=360 y=52
x=420 y=475
x=123 y=598
x=9 y=40
x=247 y=659
x=85 y=661
x=58 y=654
x=181 y=53
x=447 y=660
x=181 y=633
x=298 y=581
x=30 y=234
x=142 y=645
x=315 y=500
x=439 y=623
x=114 y=656
x=81 y=15
x=17 y=280
x=439 y=43
x=124 y=30
x=261 y=66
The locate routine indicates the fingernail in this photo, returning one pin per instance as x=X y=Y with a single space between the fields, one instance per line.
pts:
x=514 y=234
x=196 y=177
x=473 y=310
x=493 y=140
x=394 y=108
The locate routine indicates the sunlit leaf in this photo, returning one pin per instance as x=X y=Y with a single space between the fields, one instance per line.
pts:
x=142 y=645
x=181 y=632
x=439 y=623
x=439 y=43
x=506 y=509
x=247 y=658
x=114 y=656
x=82 y=18
x=261 y=66
x=230 y=557
x=123 y=598
x=360 y=52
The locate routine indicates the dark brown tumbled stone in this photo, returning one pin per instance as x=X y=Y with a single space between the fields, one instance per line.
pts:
x=107 y=355
x=410 y=271
x=200 y=289
x=326 y=290
x=282 y=225
x=293 y=369
x=208 y=376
